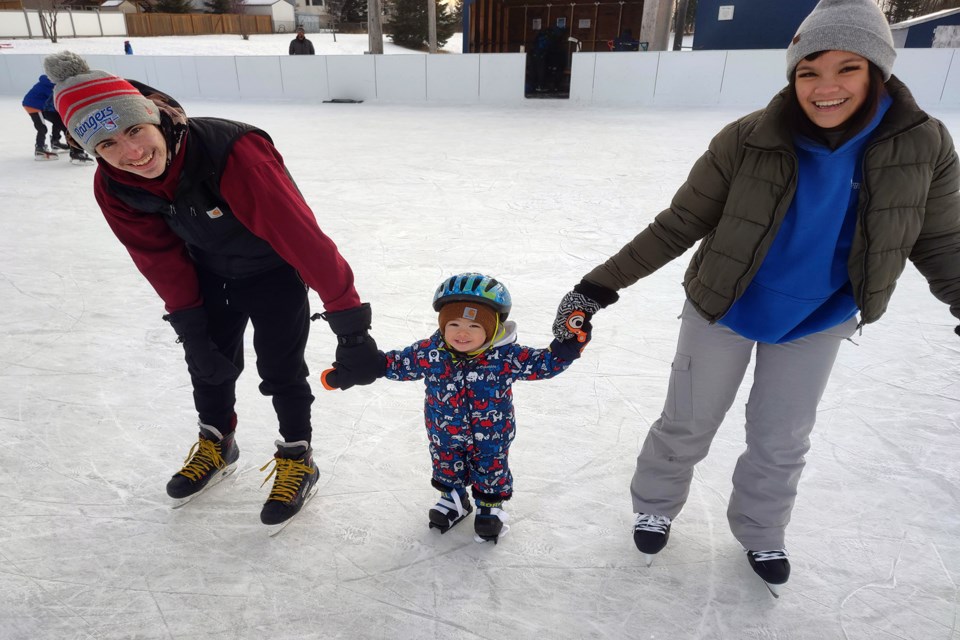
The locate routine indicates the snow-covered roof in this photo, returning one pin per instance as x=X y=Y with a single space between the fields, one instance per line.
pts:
x=261 y=3
x=112 y=3
x=927 y=18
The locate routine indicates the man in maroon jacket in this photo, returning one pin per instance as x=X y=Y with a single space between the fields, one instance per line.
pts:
x=215 y=223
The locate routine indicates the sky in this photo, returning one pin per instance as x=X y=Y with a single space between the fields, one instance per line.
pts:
x=96 y=413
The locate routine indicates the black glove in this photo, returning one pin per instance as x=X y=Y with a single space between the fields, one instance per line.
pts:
x=578 y=306
x=204 y=362
x=357 y=360
x=571 y=348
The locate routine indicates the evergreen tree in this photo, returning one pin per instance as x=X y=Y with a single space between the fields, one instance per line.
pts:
x=456 y=13
x=409 y=27
x=900 y=10
x=172 y=6
x=218 y=6
x=353 y=11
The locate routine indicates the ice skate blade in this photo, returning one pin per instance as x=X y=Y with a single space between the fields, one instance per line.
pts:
x=774 y=589
x=648 y=558
x=494 y=539
x=444 y=528
x=274 y=529
x=214 y=481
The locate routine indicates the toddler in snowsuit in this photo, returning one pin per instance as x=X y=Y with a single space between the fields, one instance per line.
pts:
x=469 y=366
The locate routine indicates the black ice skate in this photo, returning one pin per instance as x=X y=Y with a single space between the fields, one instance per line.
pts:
x=79 y=157
x=42 y=154
x=449 y=510
x=295 y=477
x=772 y=567
x=211 y=459
x=650 y=534
x=57 y=145
x=488 y=524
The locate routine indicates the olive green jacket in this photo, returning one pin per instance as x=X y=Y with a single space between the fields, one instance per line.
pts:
x=738 y=193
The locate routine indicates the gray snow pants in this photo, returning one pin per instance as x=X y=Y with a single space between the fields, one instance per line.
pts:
x=789 y=380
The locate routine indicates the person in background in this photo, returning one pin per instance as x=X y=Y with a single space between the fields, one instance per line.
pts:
x=127 y=48
x=808 y=211
x=626 y=42
x=213 y=220
x=300 y=46
x=39 y=106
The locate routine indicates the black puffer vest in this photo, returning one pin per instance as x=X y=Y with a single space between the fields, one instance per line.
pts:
x=216 y=240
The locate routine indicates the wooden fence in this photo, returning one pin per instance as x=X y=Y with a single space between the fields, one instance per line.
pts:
x=195 y=24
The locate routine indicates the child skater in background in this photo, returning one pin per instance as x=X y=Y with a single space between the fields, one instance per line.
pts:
x=469 y=366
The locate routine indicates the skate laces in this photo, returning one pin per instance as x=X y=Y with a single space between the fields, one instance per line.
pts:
x=204 y=455
x=651 y=523
x=288 y=477
x=765 y=556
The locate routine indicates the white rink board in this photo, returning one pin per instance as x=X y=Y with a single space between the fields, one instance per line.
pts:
x=697 y=78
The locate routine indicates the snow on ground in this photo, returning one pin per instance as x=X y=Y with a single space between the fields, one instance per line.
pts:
x=96 y=414
x=214 y=45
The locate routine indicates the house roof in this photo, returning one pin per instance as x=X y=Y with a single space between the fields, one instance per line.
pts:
x=261 y=3
x=927 y=18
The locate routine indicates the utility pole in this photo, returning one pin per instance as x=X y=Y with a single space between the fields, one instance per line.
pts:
x=655 y=28
x=432 y=24
x=374 y=27
x=681 y=25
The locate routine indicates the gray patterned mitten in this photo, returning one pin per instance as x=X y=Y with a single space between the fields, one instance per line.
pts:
x=578 y=306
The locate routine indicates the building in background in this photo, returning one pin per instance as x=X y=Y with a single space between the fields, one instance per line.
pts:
x=748 y=24
x=281 y=11
x=509 y=26
x=312 y=15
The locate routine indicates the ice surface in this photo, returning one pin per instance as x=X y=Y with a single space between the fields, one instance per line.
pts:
x=96 y=414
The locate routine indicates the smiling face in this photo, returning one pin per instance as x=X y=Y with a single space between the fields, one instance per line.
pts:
x=140 y=149
x=832 y=87
x=466 y=336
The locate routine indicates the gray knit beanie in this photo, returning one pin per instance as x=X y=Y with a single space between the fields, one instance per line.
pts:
x=94 y=104
x=844 y=25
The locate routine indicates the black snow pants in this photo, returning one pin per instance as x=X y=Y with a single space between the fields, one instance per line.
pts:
x=276 y=304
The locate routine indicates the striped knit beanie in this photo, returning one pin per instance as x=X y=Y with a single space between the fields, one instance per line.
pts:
x=94 y=104
x=844 y=25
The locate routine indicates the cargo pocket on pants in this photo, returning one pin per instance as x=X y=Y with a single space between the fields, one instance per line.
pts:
x=679 y=404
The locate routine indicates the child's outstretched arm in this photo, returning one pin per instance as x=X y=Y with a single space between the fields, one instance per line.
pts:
x=527 y=363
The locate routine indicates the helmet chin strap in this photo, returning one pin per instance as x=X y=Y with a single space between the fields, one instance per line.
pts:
x=498 y=331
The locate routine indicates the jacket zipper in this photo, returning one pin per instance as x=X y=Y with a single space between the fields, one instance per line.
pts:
x=737 y=292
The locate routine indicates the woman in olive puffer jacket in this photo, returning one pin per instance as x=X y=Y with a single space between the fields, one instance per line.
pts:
x=808 y=211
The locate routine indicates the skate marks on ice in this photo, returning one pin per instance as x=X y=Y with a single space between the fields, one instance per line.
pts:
x=89 y=540
x=222 y=475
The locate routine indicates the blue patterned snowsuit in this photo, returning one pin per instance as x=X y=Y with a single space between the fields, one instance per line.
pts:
x=469 y=407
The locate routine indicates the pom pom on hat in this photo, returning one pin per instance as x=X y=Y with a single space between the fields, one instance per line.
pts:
x=93 y=104
x=844 y=25
x=63 y=65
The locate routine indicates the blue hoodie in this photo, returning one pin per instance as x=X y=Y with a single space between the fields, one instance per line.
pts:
x=39 y=94
x=803 y=286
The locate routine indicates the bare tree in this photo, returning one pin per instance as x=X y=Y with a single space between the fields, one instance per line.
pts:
x=49 y=11
x=335 y=11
